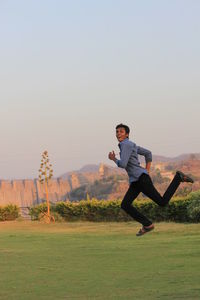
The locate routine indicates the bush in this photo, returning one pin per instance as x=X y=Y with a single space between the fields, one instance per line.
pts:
x=36 y=211
x=9 y=212
x=179 y=210
x=92 y=210
x=107 y=210
x=194 y=207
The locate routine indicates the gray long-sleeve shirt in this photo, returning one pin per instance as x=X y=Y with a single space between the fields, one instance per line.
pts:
x=129 y=159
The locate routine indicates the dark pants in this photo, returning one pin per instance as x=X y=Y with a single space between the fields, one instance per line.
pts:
x=145 y=185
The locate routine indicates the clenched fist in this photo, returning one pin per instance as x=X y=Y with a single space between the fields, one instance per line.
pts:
x=111 y=156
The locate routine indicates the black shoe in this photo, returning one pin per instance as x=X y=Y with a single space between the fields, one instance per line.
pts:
x=145 y=229
x=184 y=177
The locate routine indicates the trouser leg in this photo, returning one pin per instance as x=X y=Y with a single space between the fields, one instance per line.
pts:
x=172 y=188
x=150 y=191
x=126 y=205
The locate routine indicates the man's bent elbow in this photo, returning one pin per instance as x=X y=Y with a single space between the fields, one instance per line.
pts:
x=148 y=157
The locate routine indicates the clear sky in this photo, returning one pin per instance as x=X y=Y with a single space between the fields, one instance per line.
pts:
x=70 y=71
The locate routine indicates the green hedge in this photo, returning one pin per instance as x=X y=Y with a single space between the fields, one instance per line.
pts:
x=194 y=207
x=9 y=212
x=179 y=210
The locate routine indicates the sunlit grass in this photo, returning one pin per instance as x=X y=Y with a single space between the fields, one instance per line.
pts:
x=84 y=260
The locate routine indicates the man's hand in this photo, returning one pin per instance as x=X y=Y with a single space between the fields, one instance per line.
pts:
x=111 y=156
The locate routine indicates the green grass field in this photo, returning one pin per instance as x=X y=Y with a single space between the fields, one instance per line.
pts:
x=85 y=260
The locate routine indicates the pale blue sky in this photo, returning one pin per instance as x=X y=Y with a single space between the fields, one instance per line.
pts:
x=71 y=70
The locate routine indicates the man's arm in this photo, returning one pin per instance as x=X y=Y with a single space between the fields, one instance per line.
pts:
x=126 y=151
x=148 y=156
x=148 y=166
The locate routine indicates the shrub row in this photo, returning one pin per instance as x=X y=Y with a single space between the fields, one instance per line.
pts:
x=9 y=212
x=179 y=210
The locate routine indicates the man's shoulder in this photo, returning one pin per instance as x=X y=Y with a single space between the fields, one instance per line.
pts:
x=128 y=143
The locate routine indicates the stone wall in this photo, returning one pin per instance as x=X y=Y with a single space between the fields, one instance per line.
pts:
x=26 y=193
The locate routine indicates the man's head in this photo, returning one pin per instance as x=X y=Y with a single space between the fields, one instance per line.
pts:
x=122 y=132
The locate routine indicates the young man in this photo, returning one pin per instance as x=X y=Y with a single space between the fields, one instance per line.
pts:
x=139 y=178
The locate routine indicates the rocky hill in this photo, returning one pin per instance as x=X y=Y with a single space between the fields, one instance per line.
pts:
x=113 y=183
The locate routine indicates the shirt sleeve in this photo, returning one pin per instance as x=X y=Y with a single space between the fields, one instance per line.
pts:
x=146 y=153
x=126 y=150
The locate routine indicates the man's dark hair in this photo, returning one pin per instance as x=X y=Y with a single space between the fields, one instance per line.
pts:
x=127 y=129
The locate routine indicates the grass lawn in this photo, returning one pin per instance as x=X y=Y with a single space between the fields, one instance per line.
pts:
x=85 y=260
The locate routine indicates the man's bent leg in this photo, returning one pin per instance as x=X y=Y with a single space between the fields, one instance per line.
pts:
x=172 y=188
x=150 y=191
x=126 y=205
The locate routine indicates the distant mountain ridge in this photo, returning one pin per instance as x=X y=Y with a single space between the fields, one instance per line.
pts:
x=159 y=158
x=90 y=168
x=93 y=168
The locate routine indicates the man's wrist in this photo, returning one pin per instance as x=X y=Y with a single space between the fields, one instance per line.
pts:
x=115 y=160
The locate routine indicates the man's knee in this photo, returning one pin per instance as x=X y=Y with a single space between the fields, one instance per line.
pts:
x=163 y=204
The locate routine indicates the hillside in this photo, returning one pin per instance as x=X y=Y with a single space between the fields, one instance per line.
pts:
x=112 y=182
x=100 y=181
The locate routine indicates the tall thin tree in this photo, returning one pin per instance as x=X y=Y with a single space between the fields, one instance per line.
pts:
x=45 y=175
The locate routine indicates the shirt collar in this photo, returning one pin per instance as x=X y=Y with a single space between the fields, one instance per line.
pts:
x=124 y=141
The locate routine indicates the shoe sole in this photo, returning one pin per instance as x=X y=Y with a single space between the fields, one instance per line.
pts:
x=147 y=231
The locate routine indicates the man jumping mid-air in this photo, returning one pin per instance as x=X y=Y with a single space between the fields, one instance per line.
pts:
x=139 y=178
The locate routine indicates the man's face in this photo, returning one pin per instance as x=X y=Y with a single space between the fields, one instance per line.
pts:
x=121 y=134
